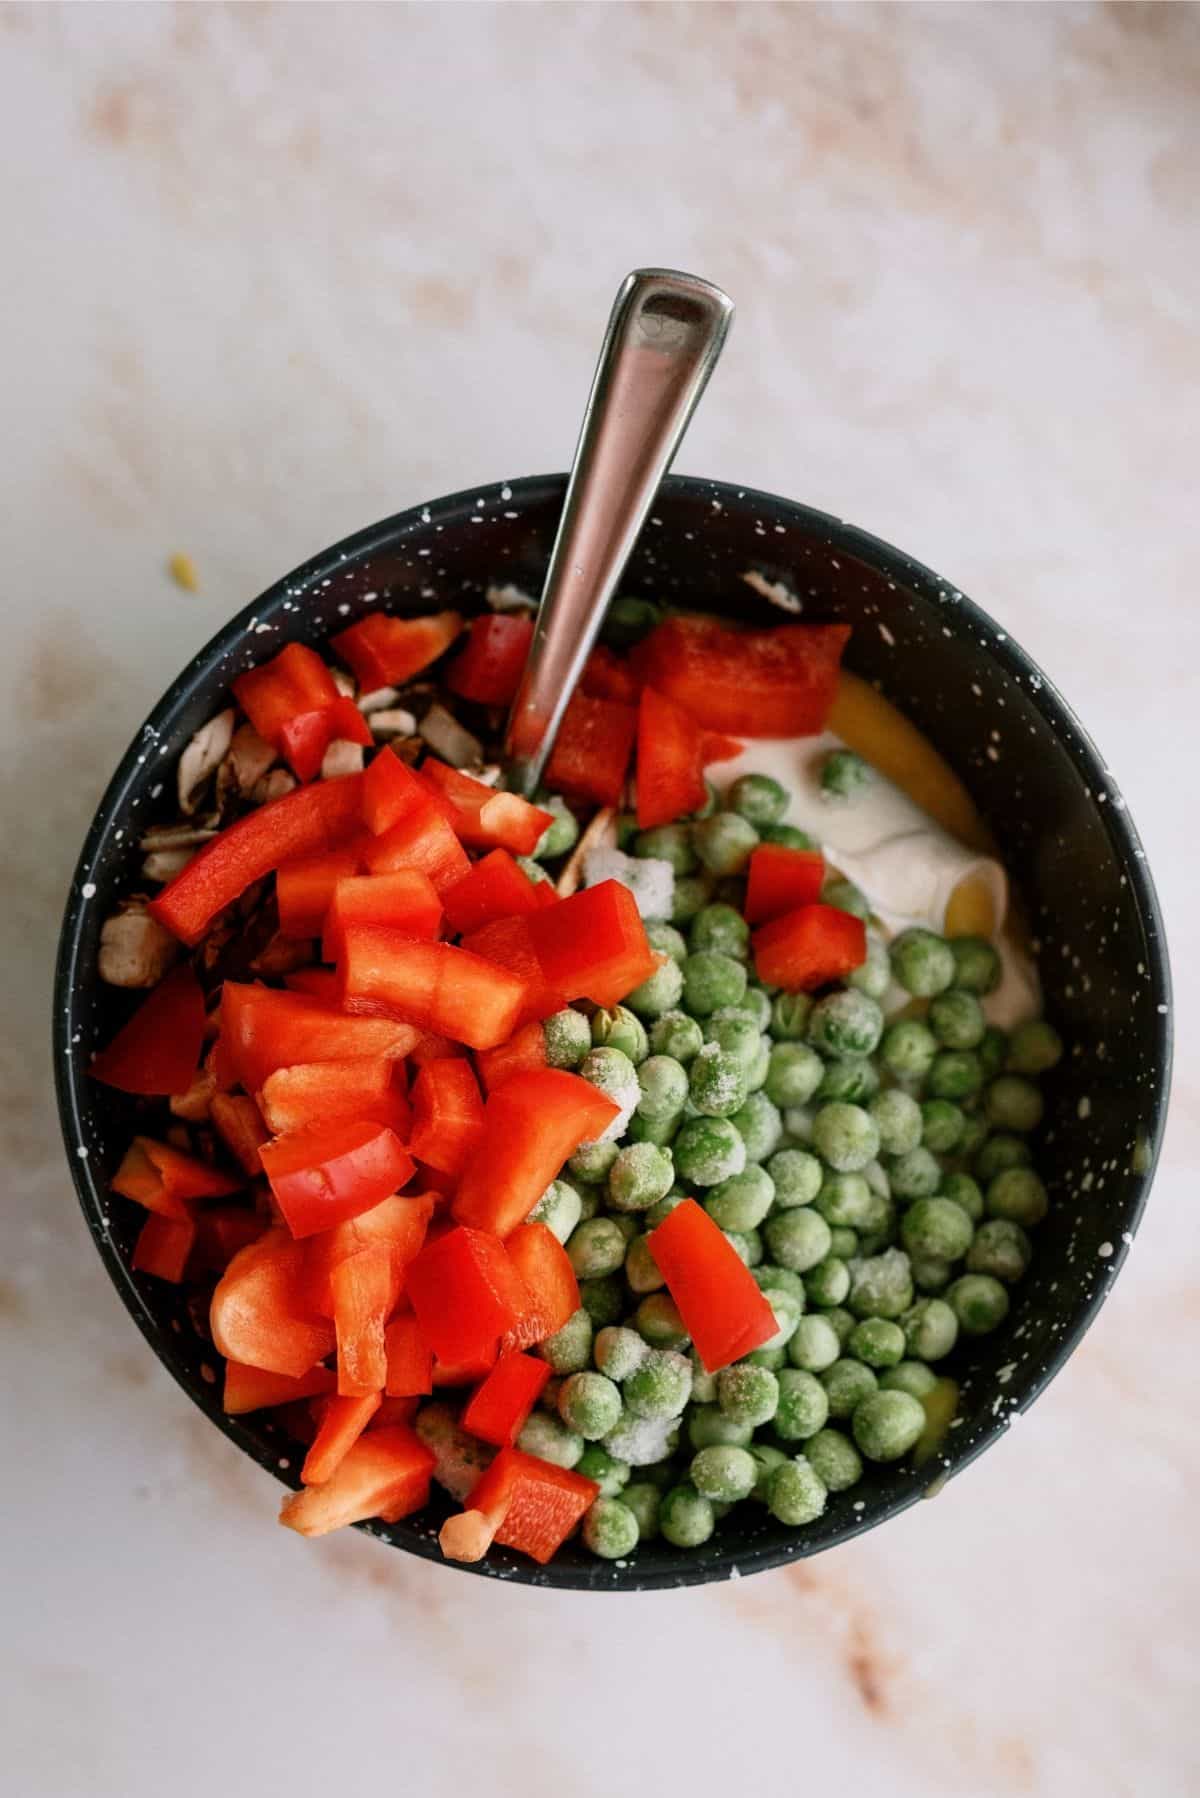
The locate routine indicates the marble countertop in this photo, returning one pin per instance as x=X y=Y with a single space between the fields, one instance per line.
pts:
x=273 y=272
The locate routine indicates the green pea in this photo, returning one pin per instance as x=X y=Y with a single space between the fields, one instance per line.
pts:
x=796 y=1176
x=828 y=1283
x=887 y=1424
x=803 y=1406
x=708 y=1150
x=589 y=1404
x=965 y=1192
x=881 y=1285
x=724 y=842
x=618 y=1351
x=568 y=1037
x=1013 y=1103
x=834 y=1459
x=845 y=1136
x=612 y=1073
x=787 y=1309
x=711 y=980
x=907 y=1049
x=843 y=1242
x=956 y=1019
x=1018 y=1195
x=955 y=1074
x=721 y=929
x=640 y=1176
x=979 y=1302
x=757 y=1002
x=993 y=1051
x=710 y=1427
x=716 y=1082
x=1000 y=1248
x=596 y=1248
x=736 y=1034
x=660 y=992
x=592 y=1160
x=691 y=893
x=664 y=939
x=759 y=1125
x=854 y=1080
x=916 y=1175
x=748 y=1394
x=930 y=1273
x=874 y=975
x=550 y=1440
x=797 y=1239
x=589 y=1200
x=975 y=1131
x=898 y=1120
x=660 y=1133
x=560 y=1208
x=941 y=1126
x=769 y=1278
x=620 y=1029
x=844 y=775
x=766 y=1459
x=723 y=1474
x=790 y=1013
x=814 y=1344
x=660 y=1386
x=846 y=1201
x=642 y=1498
x=685 y=1518
x=846 y=1023
x=603 y=1298
x=758 y=798
x=657 y=1214
x=877 y=1342
x=569 y=1350
x=711 y=804
x=743 y=1201
x=657 y=1319
x=675 y=1036
x=611 y=1475
x=846 y=1384
x=628 y=620
x=641 y=1270
x=794 y=1072
x=922 y=963
x=797 y=1125
x=976 y=964
x=663 y=1086
x=912 y=1377
x=667 y=843
x=795 y=1492
x=845 y=896
x=610 y=1529
x=787 y=836
x=1000 y=1152
x=936 y=1227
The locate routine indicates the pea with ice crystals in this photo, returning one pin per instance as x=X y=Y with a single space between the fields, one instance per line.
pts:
x=814 y=1343
x=796 y=1494
x=845 y=1136
x=709 y=1427
x=724 y=1474
x=711 y=980
x=845 y=896
x=560 y=1208
x=610 y=1529
x=847 y=1382
x=716 y=1082
x=550 y=1440
x=685 y=1518
x=742 y=1201
x=874 y=975
x=568 y=1037
x=639 y=1177
x=976 y=964
x=886 y=1424
x=798 y=1239
x=803 y=1405
x=691 y=892
x=748 y=1395
x=643 y=1498
x=898 y=1120
x=794 y=1072
x=759 y=1125
x=660 y=1386
x=881 y=1285
x=722 y=929
x=596 y=1248
x=846 y=1201
x=828 y=1283
x=941 y=1126
x=737 y=1035
x=844 y=775
x=658 y=1321
x=907 y=1049
x=663 y=1088
x=708 y=1150
x=667 y=843
x=675 y=1035
x=1000 y=1247
x=757 y=1001
x=641 y=1270
x=979 y=1302
x=912 y=1377
x=922 y=963
x=853 y=1080
x=589 y=1404
x=759 y=798
x=790 y=1013
x=930 y=1329
x=956 y=1019
x=834 y=1459
x=954 y=1074
x=620 y=1029
x=724 y=843
x=569 y=1350
x=965 y=1192
x=796 y=1176
x=916 y=1175
x=660 y=992
x=845 y=1023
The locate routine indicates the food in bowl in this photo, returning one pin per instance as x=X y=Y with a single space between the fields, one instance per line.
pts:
x=611 y=1159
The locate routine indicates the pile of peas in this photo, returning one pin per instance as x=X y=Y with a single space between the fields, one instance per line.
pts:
x=875 y=1176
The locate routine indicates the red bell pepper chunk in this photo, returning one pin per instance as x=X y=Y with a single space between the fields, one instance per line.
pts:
x=670 y=761
x=447 y=1115
x=482 y=817
x=385 y=652
x=409 y=1358
x=363 y=1298
x=718 y=748
x=406 y=901
x=549 y=1279
x=260 y=1313
x=394 y=1410
x=429 y=1046
x=500 y=1406
x=163 y=1180
x=303 y=822
x=293 y=683
x=385 y=1474
x=262 y=1030
x=508 y=943
x=252 y=1389
x=489 y=669
x=399 y=1224
x=158 y=1050
x=723 y=1310
x=593 y=945
x=591 y=752
x=422 y=839
x=523 y=1053
x=391 y=791
x=808 y=947
x=780 y=880
x=314 y=983
x=163 y=1246
x=771 y=683
x=238 y=1122
x=531 y=1125
x=607 y=676
x=305 y=738
x=466 y=1295
x=316 y=1090
x=304 y=889
x=344 y=1421
x=221 y=1231
x=327 y=1173
x=532 y=1505
x=432 y=985
x=466 y=1371
x=493 y=888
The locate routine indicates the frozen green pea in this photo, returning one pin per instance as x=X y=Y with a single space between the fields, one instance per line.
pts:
x=840 y=1321
x=979 y=1302
x=993 y=1051
x=787 y=836
x=658 y=1213
x=562 y=833
x=721 y=929
x=568 y=1037
x=641 y=1269
x=916 y=1175
x=569 y=1350
x=603 y=1298
x=828 y=1283
x=845 y=1136
x=590 y=1404
x=936 y=1227
x=716 y=1082
x=886 y=1424
x=834 y=1459
x=814 y=1344
x=618 y=1351
x=787 y=1309
x=974 y=1135
x=708 y=1150
x=589 y=1200
x=612 y=1073
x=797 y=1239
x=691 y=892
x=657 y=1319
x=659 y=1132
x=611 y=1475
x=724 y=842
x=877 y=1342
x=759 y=798
x=747 y=1395
x=907 y=1049
x=976 y=964
x=610 y=1529
x=628 y=620
x=1018 y=1195
x=660 y=1386
x=640 y=1176
x=675 y=1036
x=843 y=1242
x=667 y=843
x=794 y=1072
x=795 y=1492
x=881 y=1285
x=769 y=1278
x=664 y=939
x=1000 y=1152
x=710 y=1427
x=746 y=1245
x=845 y=896
x=743 y=1201
x=922 y=963
x=660 y=992
x=846 y=1384
x=803 y=1406
x=852 y=1080
x=941 y=1126
x=845 y=1023
x=844 y=776
x=790 y=1013
x=550 y=1440
x=596 y=1248
x=759 y=1125
x=663 y=1087
x=846 y=1201
x=711 y=980
x=874 y=975
x=1001 y=1248
x=931 y=1273
x=724 y=1474
x=758 y=1002
x=912 y=1377
x=1013 y=1103
x=796 y=1176
x=704 y=1384
x=643 y=1498
x=620 y=1029
x=797 y=1126
x=685 y=1518
x=739 y=1037
x=965 y=1192
x=592 y=1160
x=898 y=1120
x=955 y=1074
x=956 y=1019
x=560 y=1208
x=766 y=1459
x=711 y=802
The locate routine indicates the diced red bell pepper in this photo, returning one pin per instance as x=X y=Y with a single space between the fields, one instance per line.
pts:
x=238 y=1122
x=363 y=1298
x=489 y=669
x=405 y=901
x=781 y=879
x=409 y=1358
x=391 y=791
x=466 y=1295
x=805 y=948
x=508 y=943
x=262 y=1030
x=314 y=983
x=260 y=1314
x=592 y=749
x=221 y=1231
x=252 y=1389
x=500 y=1406
x=317 y=1090
x=447 y=1115
x=383 y=651
x=549 y=1279
x=303 y=822
x=493 y=888
x=607 y=675
x=293 y=683
x=163 y=1246
x=718 y=748
x=400 y=1224
x=430 y=1046
x=593 y=945
x=484 y=818
x=532 y=1505
x=327 y=1173
x=163 y=1180
x=345 y=1419
x=723 y=1310
x=422 y=840
x=670 y=761
x=305 y=738
x=772 y=683
x=531 y=1125
x=304 y=889
x=158 y=1050
x=394 y=1410
x=523 y=1053
x=385 y=1474
x=465 y=1372
x=432 y=985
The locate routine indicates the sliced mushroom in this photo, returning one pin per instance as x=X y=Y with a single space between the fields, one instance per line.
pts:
x=489 y=776
x=177 y=836
x=272 y=786
x=341 y=757
x=449 y=739
x=192 y=1106
x=392 y=722
x=135 y=949
x=247 y=762
x=510 y=599
x=378 y=700
x=343 y=682
x=202 y=757
x=601 y=833
x=164 y=864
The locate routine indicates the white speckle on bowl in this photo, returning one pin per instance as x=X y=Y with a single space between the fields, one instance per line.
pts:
x=886 y=634
x=88 y=889
x=1105 y=1250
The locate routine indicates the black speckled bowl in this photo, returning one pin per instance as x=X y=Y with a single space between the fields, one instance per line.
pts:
x=1062 y=830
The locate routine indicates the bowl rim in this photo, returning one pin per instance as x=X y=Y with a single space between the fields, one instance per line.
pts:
x=685 y=1569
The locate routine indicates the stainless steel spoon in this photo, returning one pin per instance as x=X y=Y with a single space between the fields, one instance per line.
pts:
x=664 y=336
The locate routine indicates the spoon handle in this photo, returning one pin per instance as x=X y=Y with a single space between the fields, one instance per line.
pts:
x=664 y=336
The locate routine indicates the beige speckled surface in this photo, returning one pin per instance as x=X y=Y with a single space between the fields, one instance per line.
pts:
x=270 y=273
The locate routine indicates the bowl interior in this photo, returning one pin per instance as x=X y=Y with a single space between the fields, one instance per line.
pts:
x=1057 y=817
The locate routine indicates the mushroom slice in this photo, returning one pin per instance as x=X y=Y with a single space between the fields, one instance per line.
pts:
x=449 y=739
x=273 y=786
x=601 y=833
x=162 y=865
x=135 y=949
x=379 y=699
x=202 y=757
x=393 y=721
x=177 y=836
x=342 y=757
x=247 y=762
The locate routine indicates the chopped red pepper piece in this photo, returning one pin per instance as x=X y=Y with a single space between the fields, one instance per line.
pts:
x=394 y=1410
x=464 y=1372
x=390 y=792
x=327 y=1173
x=363 y=1298
x=252 y=1389
x=432 y=985
x=163 y=1246
x=466 y=1294
x=808 y=947
x=607 y=676
x=292 y=684
x=422 y=839
x=406 y=901
x=493 y=888
x=399 y=1223
x=591 y=752
x=429 y=1046
x=508 y=943
x=163 y=1180
x=447 y=1114
x=305 y=738
x=532 y=1505
x=593 y=945
x=314 y=983
x=523 y=1053
x=260 y=1314
x=157 y=1051
x=723 y=1310
x=772 y=683
x=531 y=1125
x=262 y=1030
x=482 y=817
x=720 y=749
x=221 y=1231
x=304 y=889
x=301 y=823
x=313 y=1091
x=549 y=1279
x=344 y=1421
x=488 y=670
x=780 y=880
x=238 y=1122
x=409 y=1358
x=670 y=761
x=383 y=651
x=385 y=1474
x=500 y=1406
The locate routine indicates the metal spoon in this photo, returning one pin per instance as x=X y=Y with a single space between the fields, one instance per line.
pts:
x=664 y=336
